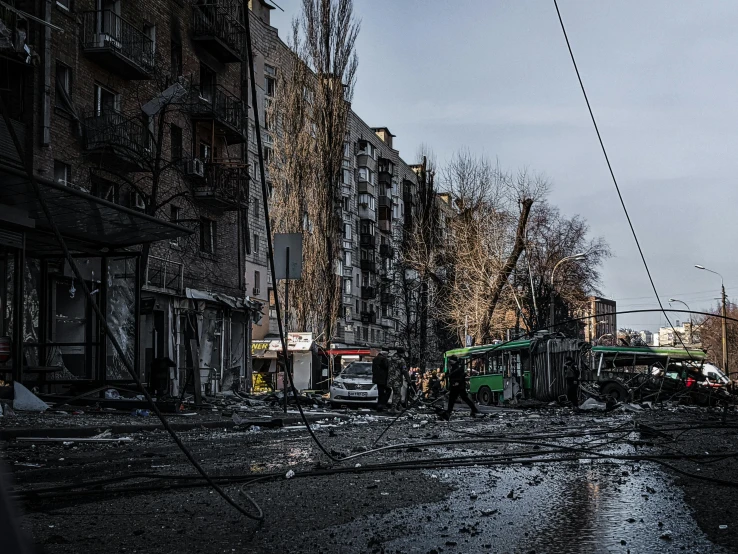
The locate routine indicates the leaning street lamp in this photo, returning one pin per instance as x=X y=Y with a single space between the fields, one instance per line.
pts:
x=725 y=331
x=575 y=257
x=690 y=316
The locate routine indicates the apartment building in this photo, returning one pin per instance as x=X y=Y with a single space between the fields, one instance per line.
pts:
x=138 y=107
x=378 y=191
x=601 y=318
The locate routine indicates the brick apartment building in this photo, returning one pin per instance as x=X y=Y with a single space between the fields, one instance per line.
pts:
x=378 y=199
x=136 y=107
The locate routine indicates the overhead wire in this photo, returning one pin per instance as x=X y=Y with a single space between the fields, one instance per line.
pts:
x=612 y=172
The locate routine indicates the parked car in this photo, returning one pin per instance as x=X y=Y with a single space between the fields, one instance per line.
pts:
x=354 y=386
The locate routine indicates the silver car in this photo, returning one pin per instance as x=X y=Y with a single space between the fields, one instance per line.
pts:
x=354 y=386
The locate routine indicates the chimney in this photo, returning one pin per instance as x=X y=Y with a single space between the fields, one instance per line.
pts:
x=384 y=134
x=262 y=10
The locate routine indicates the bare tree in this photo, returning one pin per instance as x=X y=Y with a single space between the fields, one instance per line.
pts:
x=486 y=239
x=711 y=336
x=311 y=117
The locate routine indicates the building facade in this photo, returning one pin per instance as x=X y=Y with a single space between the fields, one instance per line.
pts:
x=601 y=319
x=140 y=105
x=378 y=191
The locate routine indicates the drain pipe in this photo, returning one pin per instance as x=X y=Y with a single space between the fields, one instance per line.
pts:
x=46 y=107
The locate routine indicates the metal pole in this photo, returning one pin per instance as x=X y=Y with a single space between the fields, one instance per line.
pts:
x=286 y=319
x=725 y=332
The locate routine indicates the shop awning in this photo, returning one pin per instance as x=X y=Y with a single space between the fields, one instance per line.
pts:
x=85 y=220
x=224 y=299
x=350 y=352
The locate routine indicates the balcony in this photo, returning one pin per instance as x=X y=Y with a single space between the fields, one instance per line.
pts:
x=223 y=186
x=365 y=239
x=385 y=224
x=215 y=104
x=8 y=153
x=386 y=251
x=368 y=317
x=114 y=139
x=385 y=202
x=368 y=265
x=116 y=45
x=216 y=28
x=164 y=276
x=368 y=293
x=367 y=187
x=386 y=299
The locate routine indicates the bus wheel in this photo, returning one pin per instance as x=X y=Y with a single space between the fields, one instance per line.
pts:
x=616 y=391
x=485 y=396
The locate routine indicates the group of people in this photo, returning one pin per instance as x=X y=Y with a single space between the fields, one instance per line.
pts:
x=390 y=372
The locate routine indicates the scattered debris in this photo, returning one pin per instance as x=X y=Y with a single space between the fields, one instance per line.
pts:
x=289 y=475
x=24 y=400
x=592 y=404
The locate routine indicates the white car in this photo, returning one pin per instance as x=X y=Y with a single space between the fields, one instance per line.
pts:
x=354 y=386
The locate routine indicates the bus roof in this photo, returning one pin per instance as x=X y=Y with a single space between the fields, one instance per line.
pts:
x=481 y=349
x=674 y=352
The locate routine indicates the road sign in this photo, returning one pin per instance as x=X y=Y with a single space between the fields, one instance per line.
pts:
x=284 y=244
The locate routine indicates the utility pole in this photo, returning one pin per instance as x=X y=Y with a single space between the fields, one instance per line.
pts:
x=724 y=315
x=725 y=334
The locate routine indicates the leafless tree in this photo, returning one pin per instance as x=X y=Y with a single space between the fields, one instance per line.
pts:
x=311 y=116
x=710 y=332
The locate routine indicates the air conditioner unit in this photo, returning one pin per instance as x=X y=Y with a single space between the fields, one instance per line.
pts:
x=195 y=167
x=256 y=291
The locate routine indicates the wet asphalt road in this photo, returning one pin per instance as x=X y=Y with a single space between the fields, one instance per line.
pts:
x=572 y=506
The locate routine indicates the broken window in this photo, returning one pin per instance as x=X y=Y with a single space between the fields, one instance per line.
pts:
x=63 y=87
x=62 y=173
x=207 y=235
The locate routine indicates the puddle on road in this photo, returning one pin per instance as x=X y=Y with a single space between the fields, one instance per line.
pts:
x=575 y=507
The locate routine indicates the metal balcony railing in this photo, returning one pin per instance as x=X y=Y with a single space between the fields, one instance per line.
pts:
x=214 y=102
x=368 y=317
x=215 y=25
x=113 y=133
x=117 y=45
x=368 y=293
x=164 y=275
x=224 y=186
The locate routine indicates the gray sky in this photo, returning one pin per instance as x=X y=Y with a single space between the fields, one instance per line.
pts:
x=495 y=76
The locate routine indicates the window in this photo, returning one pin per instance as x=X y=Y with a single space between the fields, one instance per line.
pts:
x=174 y=212
x=367 y=227
x=365 y=333
x=256 y=208
x=346 y=149
x=107 y=190
x=207 y=83
x=347 y=312
x=267 y=156
x=347 y=258
x=346 y=176
x=367 y=201
x=270 y=80
x=207 y=235
x=357 y=305
x=256 y=244
x=347 y=231
x=366 y=148
x=175 y=135
x=346 y=204
x=257 y=281
x=106 y=101
x=205 y=152
x=150 y=32
x=62 y=173
x=176 y=58
x=63 y=86
x=372 y=335
x=347 y=286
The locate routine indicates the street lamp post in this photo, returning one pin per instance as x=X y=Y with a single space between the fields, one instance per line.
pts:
x=725 y=331
x=575 y=257
x=690 y=316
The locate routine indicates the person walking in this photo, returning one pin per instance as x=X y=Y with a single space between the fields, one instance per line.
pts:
x=457 y=388
x=397 y=371
x=571 y=374
x=380 y=376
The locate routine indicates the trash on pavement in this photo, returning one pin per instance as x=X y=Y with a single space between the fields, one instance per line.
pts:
x=24 y=400
x=289 y=475
x=112 y=394
x=592 y=404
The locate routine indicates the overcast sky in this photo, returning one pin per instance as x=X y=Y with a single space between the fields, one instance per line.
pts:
x=495 y=76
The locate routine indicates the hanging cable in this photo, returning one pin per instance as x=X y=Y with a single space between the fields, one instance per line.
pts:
x=612 y=173
x=270 y=245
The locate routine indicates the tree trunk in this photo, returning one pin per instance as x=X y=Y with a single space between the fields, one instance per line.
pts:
x=507 y=269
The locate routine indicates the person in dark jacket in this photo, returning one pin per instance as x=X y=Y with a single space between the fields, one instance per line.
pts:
x=571 y=374
x=457 y=388
x=380 y=375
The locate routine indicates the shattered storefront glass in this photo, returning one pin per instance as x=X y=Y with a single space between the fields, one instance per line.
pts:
x=121 y=315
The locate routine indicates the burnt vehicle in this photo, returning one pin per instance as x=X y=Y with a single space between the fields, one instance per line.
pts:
x=657 y=374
